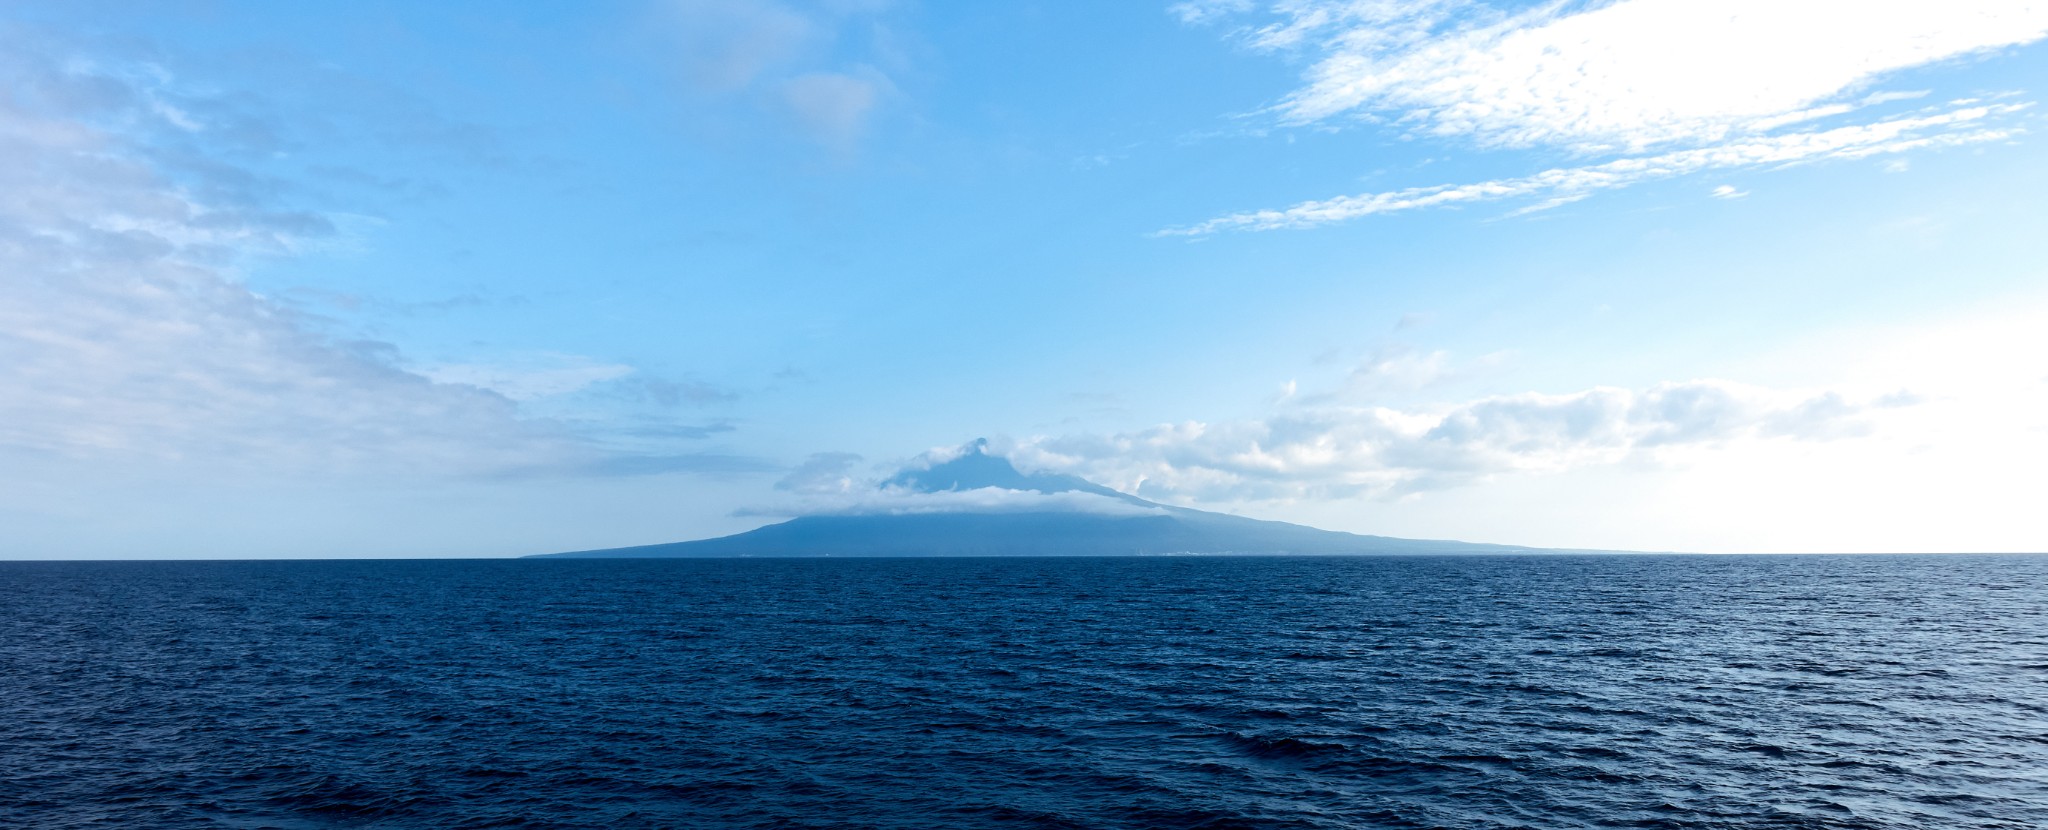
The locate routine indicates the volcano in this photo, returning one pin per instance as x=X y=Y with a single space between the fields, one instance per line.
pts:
x=979 y=504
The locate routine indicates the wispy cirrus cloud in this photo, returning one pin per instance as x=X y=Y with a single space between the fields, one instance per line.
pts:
x=1624 y=75
x=530 y=377
x=1969 y=123
x=1657 y=88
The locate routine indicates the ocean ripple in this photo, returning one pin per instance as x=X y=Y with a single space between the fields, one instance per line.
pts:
x=1476 y=692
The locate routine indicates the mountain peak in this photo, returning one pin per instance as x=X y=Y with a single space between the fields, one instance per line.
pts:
x=975 y=468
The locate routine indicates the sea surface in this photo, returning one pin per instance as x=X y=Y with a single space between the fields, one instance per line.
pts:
x=1401 y=692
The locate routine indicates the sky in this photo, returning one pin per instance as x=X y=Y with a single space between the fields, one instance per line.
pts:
x=485 y=279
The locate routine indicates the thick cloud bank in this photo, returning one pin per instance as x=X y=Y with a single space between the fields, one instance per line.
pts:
x=1336 y=452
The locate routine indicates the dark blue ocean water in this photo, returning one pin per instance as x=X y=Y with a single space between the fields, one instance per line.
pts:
x=1544 y=692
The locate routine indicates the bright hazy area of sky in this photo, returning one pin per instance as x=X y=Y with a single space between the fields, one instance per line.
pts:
x=486 y=278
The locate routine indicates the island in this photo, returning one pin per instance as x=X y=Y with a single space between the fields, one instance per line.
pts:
x=980 y=504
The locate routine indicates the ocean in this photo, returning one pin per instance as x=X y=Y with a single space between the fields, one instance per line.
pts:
x=1170 y=692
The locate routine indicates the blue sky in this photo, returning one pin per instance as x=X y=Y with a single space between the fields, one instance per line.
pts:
x=402 y=279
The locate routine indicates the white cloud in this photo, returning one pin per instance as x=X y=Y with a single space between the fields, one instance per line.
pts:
x=832 y=107
x=823 y=474
x=1727 y=191
x=1659 y=87
x=1630 y=74
x=726 y=45
x=1199 y=12
x=1876 y=98
x=1971 y=124
x=1396 y=370
x=1402 y=369
x=828 y=485
x=126 y=340
x=787 y=58
x=1339 y=452
x=1547 y=204
x=535 y=376
x=1921 y=436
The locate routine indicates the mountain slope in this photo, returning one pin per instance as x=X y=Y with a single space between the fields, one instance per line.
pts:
x=1137 y=527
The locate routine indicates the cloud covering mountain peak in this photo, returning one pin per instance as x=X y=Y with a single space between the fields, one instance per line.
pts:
x=973 y=467
x=966 y=479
